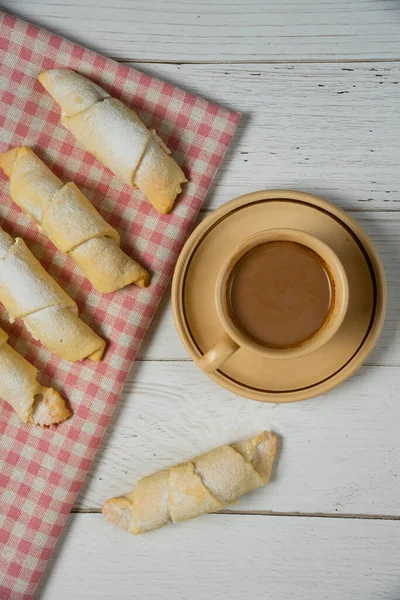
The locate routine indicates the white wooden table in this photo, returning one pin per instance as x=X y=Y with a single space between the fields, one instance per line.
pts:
x=319 y=87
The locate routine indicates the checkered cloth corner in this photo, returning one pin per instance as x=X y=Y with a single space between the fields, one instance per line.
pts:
x=41 y=471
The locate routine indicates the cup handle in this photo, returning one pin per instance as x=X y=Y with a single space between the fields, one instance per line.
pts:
x=218 y=354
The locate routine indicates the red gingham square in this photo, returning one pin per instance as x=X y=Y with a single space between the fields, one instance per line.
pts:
x=41 y=471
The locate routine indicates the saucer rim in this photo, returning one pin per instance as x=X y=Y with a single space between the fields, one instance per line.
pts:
x=372 y=333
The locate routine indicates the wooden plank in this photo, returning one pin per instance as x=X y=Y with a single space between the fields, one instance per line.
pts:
x=339 y=453
x=329 y=129
x=221 y=557
x=163 y=343
x=224 y=30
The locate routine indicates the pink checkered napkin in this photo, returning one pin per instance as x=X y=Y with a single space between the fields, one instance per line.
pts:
x=41 y=471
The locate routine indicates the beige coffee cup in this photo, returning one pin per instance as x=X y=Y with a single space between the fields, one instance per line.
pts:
x=234 y=338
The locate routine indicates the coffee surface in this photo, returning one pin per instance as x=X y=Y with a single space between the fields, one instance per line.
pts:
x=279 y=294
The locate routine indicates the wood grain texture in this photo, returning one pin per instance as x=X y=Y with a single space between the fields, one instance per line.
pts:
x=227 y=557
x=320 y=113
x=338 y=453
x=163 y=343
x=328 y=129
x=207 y=30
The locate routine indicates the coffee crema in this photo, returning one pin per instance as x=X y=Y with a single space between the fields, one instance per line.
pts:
x=280 y=294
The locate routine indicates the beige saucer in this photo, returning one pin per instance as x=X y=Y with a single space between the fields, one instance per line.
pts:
x=246 y=373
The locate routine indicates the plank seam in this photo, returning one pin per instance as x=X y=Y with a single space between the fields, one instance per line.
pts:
x=269 y=513
x=256 y=61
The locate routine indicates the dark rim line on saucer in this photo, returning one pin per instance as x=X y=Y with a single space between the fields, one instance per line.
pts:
x=359 y=244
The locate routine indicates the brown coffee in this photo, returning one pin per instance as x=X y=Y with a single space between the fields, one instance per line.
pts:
x=280 y=294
